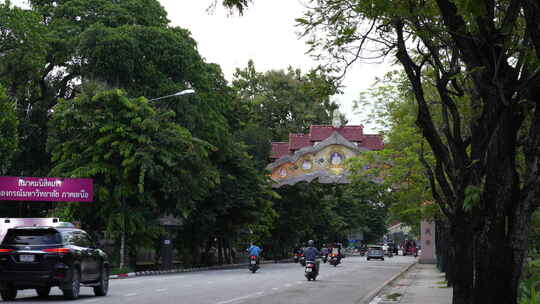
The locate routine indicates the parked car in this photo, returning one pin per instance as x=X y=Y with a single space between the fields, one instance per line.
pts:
x=375 y=252
x=43 y=257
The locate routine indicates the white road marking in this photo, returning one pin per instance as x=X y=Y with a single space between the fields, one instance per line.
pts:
x=288 y=285
x=130 y=295
x=162 y=289
x=275 y=288
x=375 y=301
x=253 y=295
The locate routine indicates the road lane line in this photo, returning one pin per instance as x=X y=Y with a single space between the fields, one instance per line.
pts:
x=130 y=295
x=253 y=295
x=162 y=289
x=275 y=288
x=288 y=285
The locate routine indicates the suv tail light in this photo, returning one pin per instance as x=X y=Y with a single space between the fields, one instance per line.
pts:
x=57 y=250
x=6 y=250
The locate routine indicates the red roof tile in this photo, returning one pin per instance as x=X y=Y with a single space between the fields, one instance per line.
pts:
x=298 y=141
x=279 y=149
x=322 y=132
x=372 y=142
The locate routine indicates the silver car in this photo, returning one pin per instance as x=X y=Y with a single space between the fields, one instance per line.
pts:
x=375 y=253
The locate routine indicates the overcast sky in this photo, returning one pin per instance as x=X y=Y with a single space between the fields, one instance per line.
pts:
x=265 y=33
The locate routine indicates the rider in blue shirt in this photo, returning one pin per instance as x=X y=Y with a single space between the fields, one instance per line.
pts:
x=254 y=250
x=311 y=253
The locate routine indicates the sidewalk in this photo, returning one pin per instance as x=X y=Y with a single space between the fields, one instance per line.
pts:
x=422 y=284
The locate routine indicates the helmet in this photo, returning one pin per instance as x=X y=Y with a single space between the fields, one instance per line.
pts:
x=310 y=242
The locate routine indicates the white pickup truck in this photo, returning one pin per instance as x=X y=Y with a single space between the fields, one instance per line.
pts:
x=7 y=223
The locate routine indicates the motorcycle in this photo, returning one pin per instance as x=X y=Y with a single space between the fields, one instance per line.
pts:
x=296 y=257
x=302 y=260
x=311 y=271
x=325 y=258
x=253 y=264
x=334 y=259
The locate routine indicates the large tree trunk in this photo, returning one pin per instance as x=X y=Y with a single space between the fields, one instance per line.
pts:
x=445 y=251
x=462 y=243
x=500 y=249
x=498 y=255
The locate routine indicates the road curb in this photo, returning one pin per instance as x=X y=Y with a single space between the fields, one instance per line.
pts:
x=182 y=270
x=367 y=299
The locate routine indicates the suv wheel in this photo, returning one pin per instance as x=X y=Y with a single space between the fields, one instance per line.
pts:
x=103 y=287
x=74 y=288
x=9 y=294
x=43 y=291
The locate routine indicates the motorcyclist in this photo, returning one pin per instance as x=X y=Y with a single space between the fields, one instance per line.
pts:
x=324 y=252
x=336 y=249
x=254 y=250
x=311 y=253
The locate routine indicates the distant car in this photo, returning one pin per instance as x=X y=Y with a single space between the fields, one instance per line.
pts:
x=43 y=257
x=375 y=252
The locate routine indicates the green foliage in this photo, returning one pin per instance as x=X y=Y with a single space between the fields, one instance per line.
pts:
x=398 y=166
x=143 y=164
x=529 y=288
x=472 y=197
x=242 y=199
x=24 y=50
x=328 y=213
x=285 y=101
x=8 y=132
x=534 y=233
x=239 y=5
x=52 y=49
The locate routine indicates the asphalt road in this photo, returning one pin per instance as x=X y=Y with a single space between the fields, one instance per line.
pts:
x=349 y=282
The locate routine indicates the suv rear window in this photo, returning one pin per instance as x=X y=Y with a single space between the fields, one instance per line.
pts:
x=32 y=237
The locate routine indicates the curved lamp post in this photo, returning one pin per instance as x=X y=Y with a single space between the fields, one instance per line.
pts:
x=184 y=92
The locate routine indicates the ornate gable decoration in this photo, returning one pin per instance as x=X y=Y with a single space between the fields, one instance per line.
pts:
x=319 y=160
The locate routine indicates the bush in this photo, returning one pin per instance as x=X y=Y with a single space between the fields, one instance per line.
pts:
x=529 y=289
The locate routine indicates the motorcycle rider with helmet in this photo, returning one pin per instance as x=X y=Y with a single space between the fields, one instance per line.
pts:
x=311 y=253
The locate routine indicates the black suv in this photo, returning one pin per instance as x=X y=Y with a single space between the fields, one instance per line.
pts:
x=42 y=257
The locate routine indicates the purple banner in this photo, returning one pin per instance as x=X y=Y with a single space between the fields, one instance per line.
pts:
x=47 y=189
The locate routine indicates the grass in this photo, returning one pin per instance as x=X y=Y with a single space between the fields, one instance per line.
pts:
x=393 y=297
x=442 y=284
x=121 y=270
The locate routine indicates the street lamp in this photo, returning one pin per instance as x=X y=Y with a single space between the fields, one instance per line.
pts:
x=184 y=92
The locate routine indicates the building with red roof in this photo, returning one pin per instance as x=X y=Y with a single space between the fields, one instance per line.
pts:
x=320 y=154
x=318 y=133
